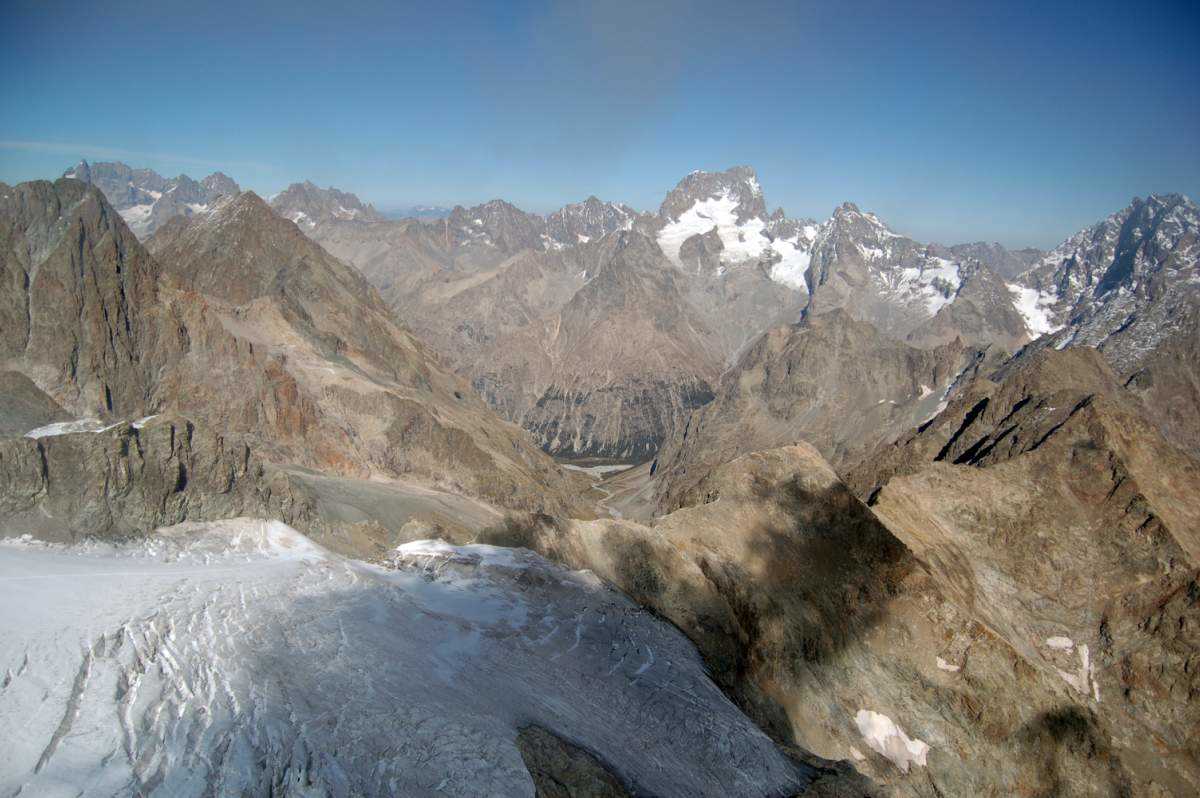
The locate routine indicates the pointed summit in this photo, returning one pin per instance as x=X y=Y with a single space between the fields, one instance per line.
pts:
x=80 y=171
x=588 y=220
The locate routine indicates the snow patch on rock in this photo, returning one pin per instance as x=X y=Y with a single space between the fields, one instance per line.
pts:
x=69 y=427
x=889 y=740
x=794 y=259
x=1034 y=307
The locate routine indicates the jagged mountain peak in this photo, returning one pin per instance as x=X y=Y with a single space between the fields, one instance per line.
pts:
x=495 y=224
x=580 y=222
x=862 y=222
x=1125 y=285
x=737 y=187
x=77 y=296
x=146 y=199
x=220 y=183
x=309 y=205
x=731 y=202
x=80 y=171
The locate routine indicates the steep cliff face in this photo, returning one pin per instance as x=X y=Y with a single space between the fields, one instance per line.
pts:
x=996 y=416
x=78 y=298
x=830 y=380
x=129 y=478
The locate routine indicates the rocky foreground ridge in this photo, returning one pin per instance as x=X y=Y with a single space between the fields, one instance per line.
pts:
x=1013 y=613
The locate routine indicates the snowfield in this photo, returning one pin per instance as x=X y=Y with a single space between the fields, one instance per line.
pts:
x=1035 y=308
x=741 y=242
x=239 y=658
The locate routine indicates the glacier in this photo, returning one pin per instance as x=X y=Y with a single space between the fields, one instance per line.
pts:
x=240 y=658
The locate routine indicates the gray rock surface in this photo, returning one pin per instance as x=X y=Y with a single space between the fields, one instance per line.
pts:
x=251 y=330
x=1006 y=263
x=78 y=299
x=130 y=479
x=563 y=770
x=24 y=406
x=1130 y=287
x=309 y=206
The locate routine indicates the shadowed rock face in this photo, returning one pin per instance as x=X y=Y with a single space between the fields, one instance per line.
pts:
x=562 y=770
x=991 y=420
x=830 y=380
x=24 y=406
x=132 y=478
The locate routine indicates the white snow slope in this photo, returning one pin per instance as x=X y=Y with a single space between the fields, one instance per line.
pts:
x=741 y=241
x=239 y=658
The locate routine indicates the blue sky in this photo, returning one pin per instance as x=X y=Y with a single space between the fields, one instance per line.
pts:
x=1017 y=122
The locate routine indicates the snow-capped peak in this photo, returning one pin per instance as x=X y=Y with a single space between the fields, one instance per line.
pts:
x=732 y=204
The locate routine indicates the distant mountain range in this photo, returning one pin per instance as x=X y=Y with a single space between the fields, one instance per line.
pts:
x=146 y=199
x=417 y=212
x=526 y=307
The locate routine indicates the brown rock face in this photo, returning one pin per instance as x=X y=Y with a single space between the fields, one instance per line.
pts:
x=1167 y=379
x=78 y=298
x=1074 y=534
x=1019 y=623
x=830 y=380
x=336 y=383
x=998 y=418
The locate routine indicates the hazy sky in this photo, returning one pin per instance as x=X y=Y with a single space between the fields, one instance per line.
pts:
x=1009 y=121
